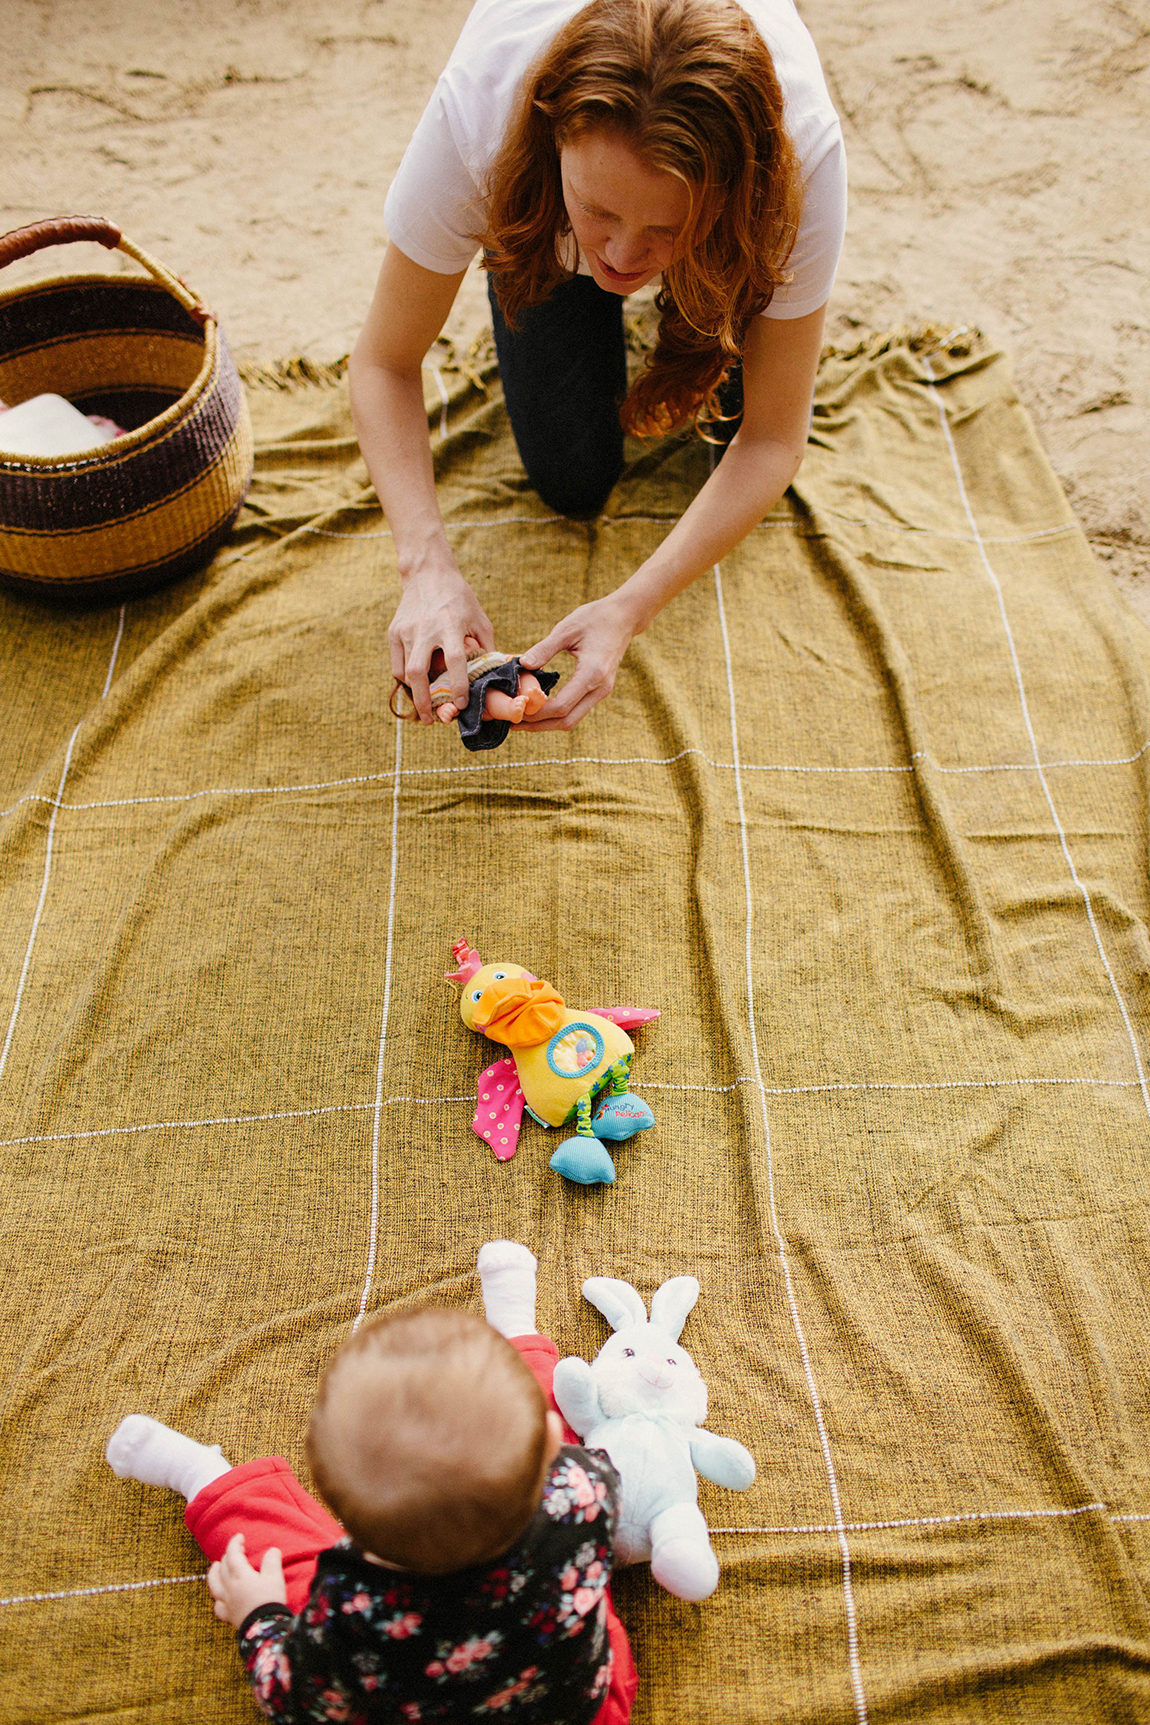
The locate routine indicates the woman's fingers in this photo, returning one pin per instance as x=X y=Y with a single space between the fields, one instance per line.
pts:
x=544 y=651
x=483 y=630
x=596 y=635
x=456 y=658
x=584 y=678
x=567 y=720
x=419 y=683
x=593 y=680
x=437 y=619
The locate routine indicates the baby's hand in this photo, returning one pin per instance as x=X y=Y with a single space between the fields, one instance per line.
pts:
x=238 y=1589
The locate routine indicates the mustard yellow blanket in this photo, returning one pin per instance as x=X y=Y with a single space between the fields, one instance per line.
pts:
x=867 y=817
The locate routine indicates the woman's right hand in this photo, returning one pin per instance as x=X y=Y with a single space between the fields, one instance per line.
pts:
x=437 y=612
x=438 y=608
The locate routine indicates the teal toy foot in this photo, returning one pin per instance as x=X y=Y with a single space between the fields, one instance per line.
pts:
x=584 y=1160
x=619 y=1117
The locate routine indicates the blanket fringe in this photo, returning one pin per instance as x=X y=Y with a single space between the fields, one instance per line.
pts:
x=478 y=362
x=290 y=373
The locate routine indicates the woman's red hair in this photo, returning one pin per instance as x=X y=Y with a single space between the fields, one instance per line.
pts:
x=689 y=85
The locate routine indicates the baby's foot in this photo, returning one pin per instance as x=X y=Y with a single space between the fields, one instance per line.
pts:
x=518 y=708
x=507 y=1276
x=141 y=1448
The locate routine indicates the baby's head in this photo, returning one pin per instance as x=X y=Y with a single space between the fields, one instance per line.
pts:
x=429 y=1440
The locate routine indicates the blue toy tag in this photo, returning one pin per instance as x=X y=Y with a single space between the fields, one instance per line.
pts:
x=584 y=1160
x=619 y=1117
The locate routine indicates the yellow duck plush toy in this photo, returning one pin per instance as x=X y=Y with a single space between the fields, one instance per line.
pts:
x=560 y=1062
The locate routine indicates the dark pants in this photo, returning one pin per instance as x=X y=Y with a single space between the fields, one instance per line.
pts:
x=564 y=376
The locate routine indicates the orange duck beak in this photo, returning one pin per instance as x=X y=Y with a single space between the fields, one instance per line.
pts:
x=519 y=1011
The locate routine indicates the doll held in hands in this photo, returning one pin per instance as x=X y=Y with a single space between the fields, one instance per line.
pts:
x=502 y=695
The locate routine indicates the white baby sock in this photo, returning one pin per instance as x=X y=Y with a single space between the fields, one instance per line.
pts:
x=507 y=1276
x=141 y=1448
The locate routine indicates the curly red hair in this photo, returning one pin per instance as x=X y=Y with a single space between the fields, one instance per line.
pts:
x=690 y=86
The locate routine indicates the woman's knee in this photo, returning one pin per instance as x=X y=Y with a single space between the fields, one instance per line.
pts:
x=574 y=491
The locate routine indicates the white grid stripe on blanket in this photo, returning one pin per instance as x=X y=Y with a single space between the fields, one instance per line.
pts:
x=853 y=1662
x=940 y=405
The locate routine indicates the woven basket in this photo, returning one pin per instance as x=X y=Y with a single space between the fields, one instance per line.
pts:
x=143 y=509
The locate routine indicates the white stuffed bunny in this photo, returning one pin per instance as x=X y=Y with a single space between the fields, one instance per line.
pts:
x=643 y=1401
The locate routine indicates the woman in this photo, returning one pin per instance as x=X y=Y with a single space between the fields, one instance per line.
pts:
x=589 y=151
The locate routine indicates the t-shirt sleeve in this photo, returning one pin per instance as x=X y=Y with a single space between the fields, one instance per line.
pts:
x=433 y=210
x=815 y=259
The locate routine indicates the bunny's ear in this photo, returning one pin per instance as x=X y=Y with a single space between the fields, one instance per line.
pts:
x=672 y=1302
x=618 y=1301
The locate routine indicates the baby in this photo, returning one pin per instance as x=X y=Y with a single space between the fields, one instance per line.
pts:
x=469 y=1575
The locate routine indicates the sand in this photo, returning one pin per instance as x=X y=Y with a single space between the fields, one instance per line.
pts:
x=999 y=153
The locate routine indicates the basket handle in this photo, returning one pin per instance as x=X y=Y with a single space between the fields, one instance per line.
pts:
x=63 y=230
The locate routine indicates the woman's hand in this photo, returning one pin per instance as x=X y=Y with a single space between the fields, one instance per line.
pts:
x=238 y=1589
x=438 y=613
x=596 y=635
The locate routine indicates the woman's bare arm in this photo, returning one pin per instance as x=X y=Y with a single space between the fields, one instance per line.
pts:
x=438 y=608
x=779 y=364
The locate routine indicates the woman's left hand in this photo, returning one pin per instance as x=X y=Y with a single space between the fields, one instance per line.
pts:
x=596 y=635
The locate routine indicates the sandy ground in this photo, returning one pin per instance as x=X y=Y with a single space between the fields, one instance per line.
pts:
x=999 y=150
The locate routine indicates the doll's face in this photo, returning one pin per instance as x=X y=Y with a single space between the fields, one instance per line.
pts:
x=626 y=215
x=474 y=988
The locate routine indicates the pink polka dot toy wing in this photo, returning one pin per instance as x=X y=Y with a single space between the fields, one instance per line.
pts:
x=563 y=1066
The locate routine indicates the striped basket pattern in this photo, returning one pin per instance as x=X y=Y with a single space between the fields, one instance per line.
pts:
x=144 y=509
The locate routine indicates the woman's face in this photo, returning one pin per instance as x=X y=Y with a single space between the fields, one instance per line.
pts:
x=626 y=215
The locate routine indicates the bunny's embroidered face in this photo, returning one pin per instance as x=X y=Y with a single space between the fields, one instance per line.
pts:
x=642 y=1371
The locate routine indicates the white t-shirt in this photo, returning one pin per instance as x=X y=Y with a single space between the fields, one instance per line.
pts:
x=436 y=198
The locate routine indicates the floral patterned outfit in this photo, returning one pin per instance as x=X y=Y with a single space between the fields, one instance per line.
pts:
x=524 y=1639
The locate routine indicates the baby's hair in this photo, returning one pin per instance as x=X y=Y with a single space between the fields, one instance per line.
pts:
x=428 y=1440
